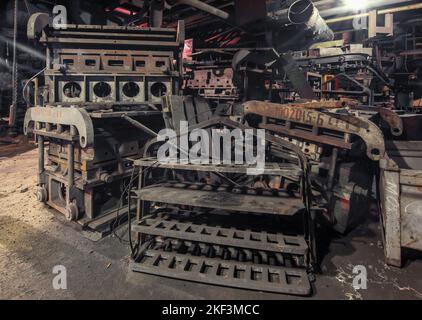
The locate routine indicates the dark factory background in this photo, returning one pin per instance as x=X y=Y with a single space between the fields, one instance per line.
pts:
x=87 y=86
x=245 y=27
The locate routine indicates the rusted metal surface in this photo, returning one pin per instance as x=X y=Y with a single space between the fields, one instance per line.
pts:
x=324 y=104
x=394 y=121
x=270 y=168
x=400 y=202
x=185 y=108
x=312 y=150
x=392 y=118
x=283 y=198
x=345 y=124
x=177 y=228
x=309 y=136
x=225 y=121
x=296 y=76
x=92 y=65
x=214 y=84
x=224 y=273
x=72 y=116
x=282 y=204
x=210 y=249
x=95 y=75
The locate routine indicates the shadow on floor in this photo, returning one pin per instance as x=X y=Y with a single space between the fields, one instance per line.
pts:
x=10 y=147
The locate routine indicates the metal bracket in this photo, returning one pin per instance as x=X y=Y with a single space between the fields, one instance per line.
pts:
x=365 y=129
x=72 y=116
x=36 y=24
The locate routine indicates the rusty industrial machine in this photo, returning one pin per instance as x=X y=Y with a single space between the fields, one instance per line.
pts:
x=213 y=224
x=210 y=75
x=96 y=79
x=333 y=144
x=217 y=224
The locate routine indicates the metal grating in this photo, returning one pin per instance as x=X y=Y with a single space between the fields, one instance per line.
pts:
x=226 y=273
x=282 y=204
x=173 y=228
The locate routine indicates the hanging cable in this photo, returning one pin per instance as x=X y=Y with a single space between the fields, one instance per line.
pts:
x=116 y=223
x=26 y=84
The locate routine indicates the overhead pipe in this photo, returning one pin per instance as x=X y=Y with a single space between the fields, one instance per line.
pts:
x=337 y=10
x=201 y=6
x=380 y=12
x=283 y=12
x=156 y=13
x=303 y=12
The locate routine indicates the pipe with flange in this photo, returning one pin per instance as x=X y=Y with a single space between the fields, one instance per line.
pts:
x=304 y=12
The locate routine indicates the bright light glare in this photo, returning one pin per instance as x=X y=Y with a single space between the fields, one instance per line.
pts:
x=356 y=4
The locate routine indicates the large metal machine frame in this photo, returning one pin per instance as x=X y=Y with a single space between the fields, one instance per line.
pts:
x=96 y=79
x=107 y=92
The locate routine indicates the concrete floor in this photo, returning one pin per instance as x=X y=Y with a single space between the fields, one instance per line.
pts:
x=33 y=241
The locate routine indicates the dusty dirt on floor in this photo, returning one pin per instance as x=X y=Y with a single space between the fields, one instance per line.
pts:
x=10 y=146
x=33 y=241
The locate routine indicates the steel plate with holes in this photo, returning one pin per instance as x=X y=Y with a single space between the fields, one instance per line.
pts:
x=227 y=273
x=222 y=236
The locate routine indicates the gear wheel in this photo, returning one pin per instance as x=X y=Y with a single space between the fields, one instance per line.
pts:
x=42 y=194
x=72 y=212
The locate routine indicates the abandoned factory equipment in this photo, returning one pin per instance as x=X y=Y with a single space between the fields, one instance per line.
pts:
x=337 y=144
x=321 y=166
x=218 y=225
x=209 y=75
x=94 y=75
